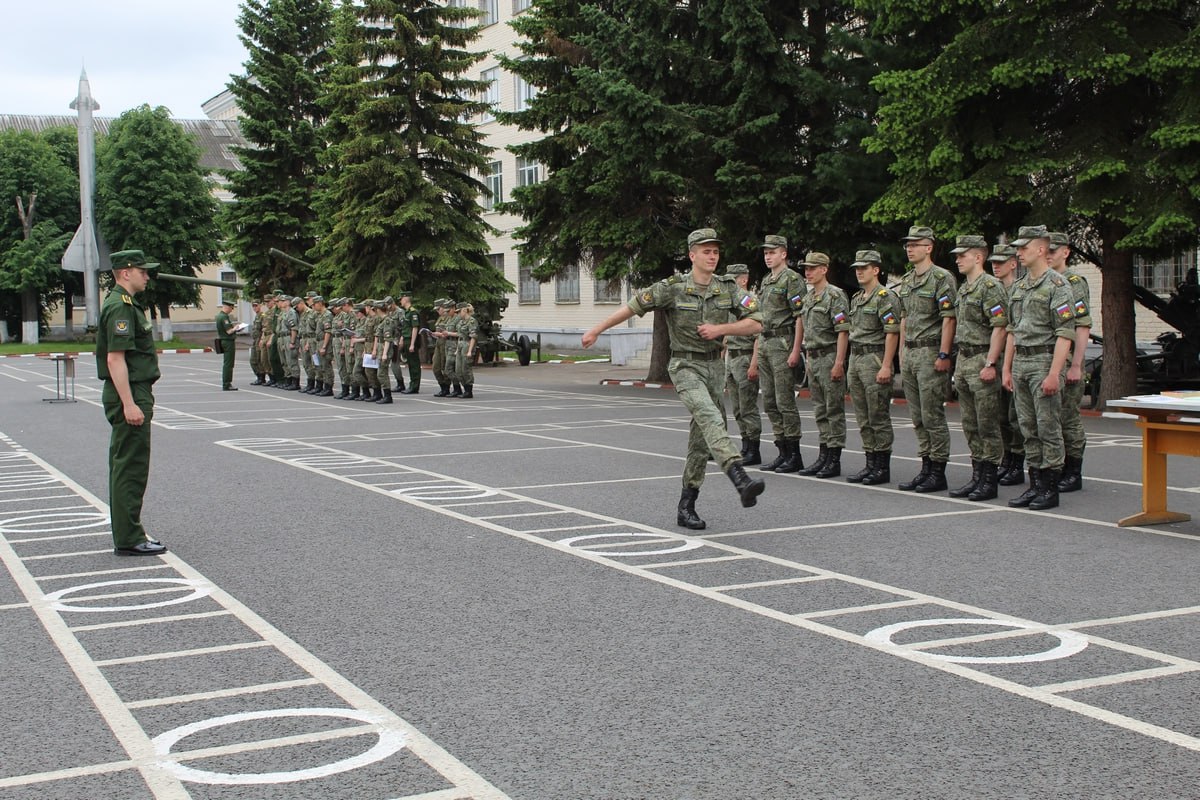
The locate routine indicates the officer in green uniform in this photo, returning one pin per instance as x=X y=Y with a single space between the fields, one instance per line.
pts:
x=1074 y=438
x=128 y=364
x=874 y=338
x=1040 y=333
x=464 y=364
x=227 y=335
x=256 y=333
x=928 y=295
x=981 y=331
x=410 y=329
x=825 y=326
x=1012 y=465
x=777 y=352
x=743 y=392
x=697 y=307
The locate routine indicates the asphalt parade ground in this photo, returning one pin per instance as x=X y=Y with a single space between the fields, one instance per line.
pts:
x=449 y=599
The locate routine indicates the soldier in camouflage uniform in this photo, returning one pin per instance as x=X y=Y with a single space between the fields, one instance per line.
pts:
x=928 y=295
x=1012 y=465
x=874 y=339
x=410 y=330
x=777 y=352
x=286 y=338
x=464 y=365
x=743 y=392
x=308 y=331
x=396 y=362
x=323 y=345
x=1074 y=438
x=441 y=373
x=256 y=336
x=451 y=332
x=1040 y=334
x=270 y=357
x=362 y=389
x=982 y=329
x=336 y=342
x=385 y=343
x=697 y=307
x=825 y=326
x=373 y=392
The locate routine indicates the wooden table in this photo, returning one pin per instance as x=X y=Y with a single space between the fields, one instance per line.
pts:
x=1163 y=433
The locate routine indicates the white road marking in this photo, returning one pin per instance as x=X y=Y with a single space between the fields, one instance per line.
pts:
x=134 y=623
x=237 y=691
x=198 y=651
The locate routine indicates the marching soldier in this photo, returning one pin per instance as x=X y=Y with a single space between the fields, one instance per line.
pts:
x=743 y=392
x=397 y=362
x=982 y=329
x=874 y=339
x=825 y=327
x=1012 y=467
x=1074 y=438
x=410 y=329
x=928 y=295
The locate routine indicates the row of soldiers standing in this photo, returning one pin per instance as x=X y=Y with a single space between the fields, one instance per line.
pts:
x=1019 y=346
x=362 y=341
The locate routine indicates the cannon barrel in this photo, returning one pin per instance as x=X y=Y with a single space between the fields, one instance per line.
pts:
x=280 y=254
x=167 y=276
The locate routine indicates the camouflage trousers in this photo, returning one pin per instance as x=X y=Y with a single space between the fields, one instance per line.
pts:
x=698 y=384
x=397 y=363
x=1010 y=428
x=872 y=402
x=464 y=366
x=340 y=361
x=256 y=358
x=828 y=399
x=287 y=357
x=307 y=348
x=1040 y=416
x=743 y=395
x=440 y=373
x=381 y=373
x=1074 y=437
x=982 y=409
x=360 y=372
x=778 y=385
x=925 y=393
x=324 y=370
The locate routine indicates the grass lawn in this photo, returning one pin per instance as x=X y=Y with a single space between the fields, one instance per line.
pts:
x=78 y=347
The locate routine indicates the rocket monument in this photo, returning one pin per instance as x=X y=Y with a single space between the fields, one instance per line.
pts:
x=87 y=249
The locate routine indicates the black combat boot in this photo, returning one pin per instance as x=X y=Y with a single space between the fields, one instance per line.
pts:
x=258 y=380
x=327 y=391
x=293 y=385
x=986 y=488
x=780 y=445
x=794 y=462
x=1047 y=496
x=1015 y=475
x=457 y=390
x=687 y=511
x=749 y=488
x=909 y=485
x=308 y=386
x=882 y=471
x=752 y=456
x=971 y=485
x=1072 y=475
x=468 y=392
x=818 y=465
x=386 y=397
x=935 y=481
x=318 y=389
x=345 y=392
x=1024 y=499
x=355 y=393
x=833 y=463
x=399 y=387
x=445 y=390
x=270 y=381
x=413 y=388
x=865 y=471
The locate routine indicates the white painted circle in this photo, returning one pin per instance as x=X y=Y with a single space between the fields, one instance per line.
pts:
x=82 y=519
x=199 y=589
x=1069 y=644
x=444 y=491
x=390 y=742
x=684 y=544
x=25 y=481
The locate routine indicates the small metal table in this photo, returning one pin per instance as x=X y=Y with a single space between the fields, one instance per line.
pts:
x=64 y=378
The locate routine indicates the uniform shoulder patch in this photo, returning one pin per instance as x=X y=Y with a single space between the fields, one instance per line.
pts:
x=1056 y=279
x=882 y=292
x=126 y=299
x=1074 y=278
x=673 y=280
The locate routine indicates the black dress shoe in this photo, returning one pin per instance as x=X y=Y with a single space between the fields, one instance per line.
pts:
x=147 y=548
x=228 y=388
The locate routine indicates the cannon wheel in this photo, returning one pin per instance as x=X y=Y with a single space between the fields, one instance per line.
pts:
x=524 y=350
x=486 y=355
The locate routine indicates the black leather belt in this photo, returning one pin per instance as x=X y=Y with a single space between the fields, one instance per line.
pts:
x=817 y=352
x=1034 y=350
x=861 y=349
x=778 y=332
x=696 y=355
x=933 y=341
x=968 y=350
x=739 y=353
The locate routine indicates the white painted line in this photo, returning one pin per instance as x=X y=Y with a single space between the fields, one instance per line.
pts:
x=522 y=514
x=686 y=562
x=117 y=571
x=481 y=503
x=198 y=651
x=11 y=606
x=63 y=536
x=733 y=587
x=592 y=483
x=56 y=598
x=572 y=528
x=1142 y=617
x=34 y=499
x=850 y=523
x=261 y=688
x=67 y=555
x=835 y=612
x=134 y=623
x=441 y=794
x=1115 y=679
x=440 y=454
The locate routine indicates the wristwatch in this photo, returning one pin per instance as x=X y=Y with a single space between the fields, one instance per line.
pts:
x=943 y=356
x=987 y=364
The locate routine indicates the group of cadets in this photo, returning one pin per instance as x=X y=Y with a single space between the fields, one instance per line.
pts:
x=1016 y=346
x=360 y=342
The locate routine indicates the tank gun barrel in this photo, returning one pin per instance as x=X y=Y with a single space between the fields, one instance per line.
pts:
x=280 y=254
x=167 y=276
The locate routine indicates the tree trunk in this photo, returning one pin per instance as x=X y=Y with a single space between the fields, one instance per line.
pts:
x=165 y=329
x=29 y=316
x=1119 y=376
x=660 y=351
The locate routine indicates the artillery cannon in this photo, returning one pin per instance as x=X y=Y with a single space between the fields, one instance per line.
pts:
x=490 y=340
x=167 y=276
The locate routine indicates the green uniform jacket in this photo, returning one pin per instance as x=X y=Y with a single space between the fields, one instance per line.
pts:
x=124 y=327
x=689 y=305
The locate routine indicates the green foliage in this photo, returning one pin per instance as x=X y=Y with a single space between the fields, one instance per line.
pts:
x=153 y=195
x=287 y=42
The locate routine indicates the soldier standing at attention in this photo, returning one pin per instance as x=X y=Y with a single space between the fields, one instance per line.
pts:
x=307 y=331
x=777 y=352
x=279 y=339
x=256 y=328
x=269 y=355
x=128 y=364
x=453 y=322
x=385 y=342
x=226 y=334
x=927 y=297
x=697 y=307
x=336 y=342
x=291 y=337
x=441 y=373
x=743 y=392
x=825 y=327
x=468 y=330
x=982 y=329
x=1012 y=466
x=397 y=362
x=410 y=329
x=323 y=346
x=1074 y=437
x=359 y=344
x=373 y=392
x=1040 y=334
x=874 y=339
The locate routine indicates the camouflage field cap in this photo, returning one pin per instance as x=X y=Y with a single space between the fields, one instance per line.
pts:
x=318 y=299
x=737 y=269
x=865 y=258
x=309 y=294
x=380 y=304
x=297 y=301
x=462 y=305
x=123 y=259
x=773 y=241
x=447 y=303
x=815 y=259
x=702 y=236
x=360 y=307
x=1028 y=233
x=277 y=293
x=388 y=300
x=1002 y=253
x=918 y=232
x=964 y=243
x=1059 y=239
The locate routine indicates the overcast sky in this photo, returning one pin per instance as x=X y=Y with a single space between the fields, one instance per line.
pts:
x=173 y=53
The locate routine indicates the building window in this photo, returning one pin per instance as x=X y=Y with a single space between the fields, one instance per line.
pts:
x=528 y=288
x=521 y=5
x=491 y=92
x=1162 y=276
x=523 y=93
x=607 y=291
x=494 y=180
x=491 y=12
x=459 y=23
x=497 y=262
x=566 y=284
x=529 y=172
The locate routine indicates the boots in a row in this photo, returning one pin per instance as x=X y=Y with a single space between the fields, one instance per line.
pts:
x=1042 y=492
x=983 y=484
x=788 y=459
x=750 y=453
x=878 y=469
x=931 y=478
x=827 y=465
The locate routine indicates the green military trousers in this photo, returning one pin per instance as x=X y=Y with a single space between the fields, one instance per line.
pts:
x=925 y=393
x=440 y=373
x=743 y=396
x=778 y=384
x=128 y=463
x=1074 y=437
x=1010 y=427
x=1040 y=416
x=828 y=399
x=698 y=384
x=982 y=409
x=872 y=401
